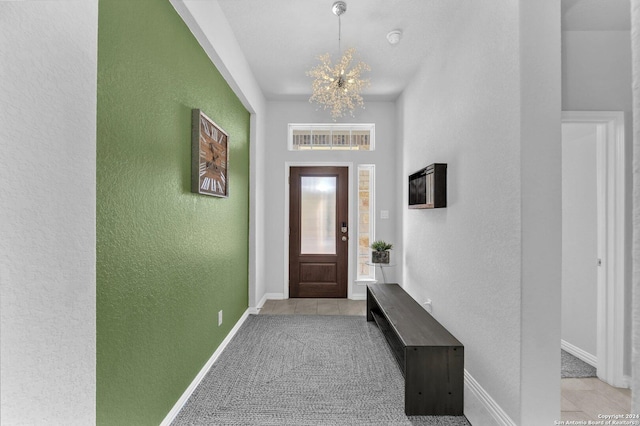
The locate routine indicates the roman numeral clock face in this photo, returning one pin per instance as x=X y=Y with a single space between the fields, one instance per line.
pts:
x=212 y=158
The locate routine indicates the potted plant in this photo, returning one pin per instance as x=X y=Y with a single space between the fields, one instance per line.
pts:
x=380 y=253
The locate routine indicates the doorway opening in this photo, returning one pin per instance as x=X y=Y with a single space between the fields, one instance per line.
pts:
x=593 y=293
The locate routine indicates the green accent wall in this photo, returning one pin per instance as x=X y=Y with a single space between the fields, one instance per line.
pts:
x=167 y=259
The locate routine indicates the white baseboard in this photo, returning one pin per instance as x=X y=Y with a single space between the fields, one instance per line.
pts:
x=358 y=297
x=273 y=296
x=260 y=303
x=480 y=407
x=364 y=283
x=585 y=356
x=196 y=381
x=267 y=296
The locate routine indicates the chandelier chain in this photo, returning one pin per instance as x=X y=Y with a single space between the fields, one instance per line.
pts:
x=339 y=34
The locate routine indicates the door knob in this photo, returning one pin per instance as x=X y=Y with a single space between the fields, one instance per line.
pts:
x=344 y=238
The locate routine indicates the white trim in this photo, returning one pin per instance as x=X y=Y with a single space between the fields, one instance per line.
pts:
x=585 y=356
x=267 y=296
x=473 y=388
x=287 y=167
x=262 y=301
x=367 y=281
x=272 y=296
x=611 y=169
x=170 y=417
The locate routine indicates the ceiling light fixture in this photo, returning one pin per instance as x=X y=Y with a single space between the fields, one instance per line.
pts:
x=338 y=87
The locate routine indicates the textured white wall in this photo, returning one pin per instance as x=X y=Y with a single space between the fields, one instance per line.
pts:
x=463 y=109
x=478 y=258
x=48 y=70
x=540 y=160
x=384 y=157
x=635 y=38
x=596 y=76
x=579 y=236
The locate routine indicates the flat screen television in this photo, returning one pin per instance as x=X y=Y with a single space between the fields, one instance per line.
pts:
x=428 y=187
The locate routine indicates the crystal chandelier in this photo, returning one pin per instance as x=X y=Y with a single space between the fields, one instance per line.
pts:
x=337 y=87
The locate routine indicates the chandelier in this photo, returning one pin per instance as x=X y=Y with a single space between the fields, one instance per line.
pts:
x=337 y=87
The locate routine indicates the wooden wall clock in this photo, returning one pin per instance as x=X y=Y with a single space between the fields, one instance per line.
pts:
x=209 y=156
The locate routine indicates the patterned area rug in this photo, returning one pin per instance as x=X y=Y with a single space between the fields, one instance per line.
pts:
x=573 y=367
x=305 y=370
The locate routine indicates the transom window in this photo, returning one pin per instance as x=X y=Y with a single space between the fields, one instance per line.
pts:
x=352 y=137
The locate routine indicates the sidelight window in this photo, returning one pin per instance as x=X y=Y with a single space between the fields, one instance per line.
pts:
x=366 y=182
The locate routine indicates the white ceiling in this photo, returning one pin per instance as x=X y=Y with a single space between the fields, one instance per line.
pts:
x=281 y=39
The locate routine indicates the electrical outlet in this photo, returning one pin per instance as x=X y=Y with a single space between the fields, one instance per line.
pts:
x=219 y=318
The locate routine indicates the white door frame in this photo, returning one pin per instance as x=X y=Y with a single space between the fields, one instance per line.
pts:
x=610 y=151
x=287 y=169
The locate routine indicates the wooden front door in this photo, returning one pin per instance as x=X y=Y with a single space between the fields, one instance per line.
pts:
x=318 y=237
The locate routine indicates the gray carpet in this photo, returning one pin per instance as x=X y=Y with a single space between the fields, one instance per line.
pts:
x=304 y=370
x=573 y=367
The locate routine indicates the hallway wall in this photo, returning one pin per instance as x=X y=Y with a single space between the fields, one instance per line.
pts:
x=635 y=42
x=167 y=259
x=487 y=102
x=48 y=60
x=466 y=257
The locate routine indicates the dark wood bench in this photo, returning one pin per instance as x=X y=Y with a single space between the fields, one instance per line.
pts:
x=431 y=359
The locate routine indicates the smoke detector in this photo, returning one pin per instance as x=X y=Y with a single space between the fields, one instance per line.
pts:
x=394 y=36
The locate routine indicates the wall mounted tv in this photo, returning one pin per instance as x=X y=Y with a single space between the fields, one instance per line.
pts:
x=428 y=187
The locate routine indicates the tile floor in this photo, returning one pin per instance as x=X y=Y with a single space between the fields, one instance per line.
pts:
x=582 y=399
x=315 y=307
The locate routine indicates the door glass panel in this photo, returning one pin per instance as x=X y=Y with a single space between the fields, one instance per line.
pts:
x=318 y=214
